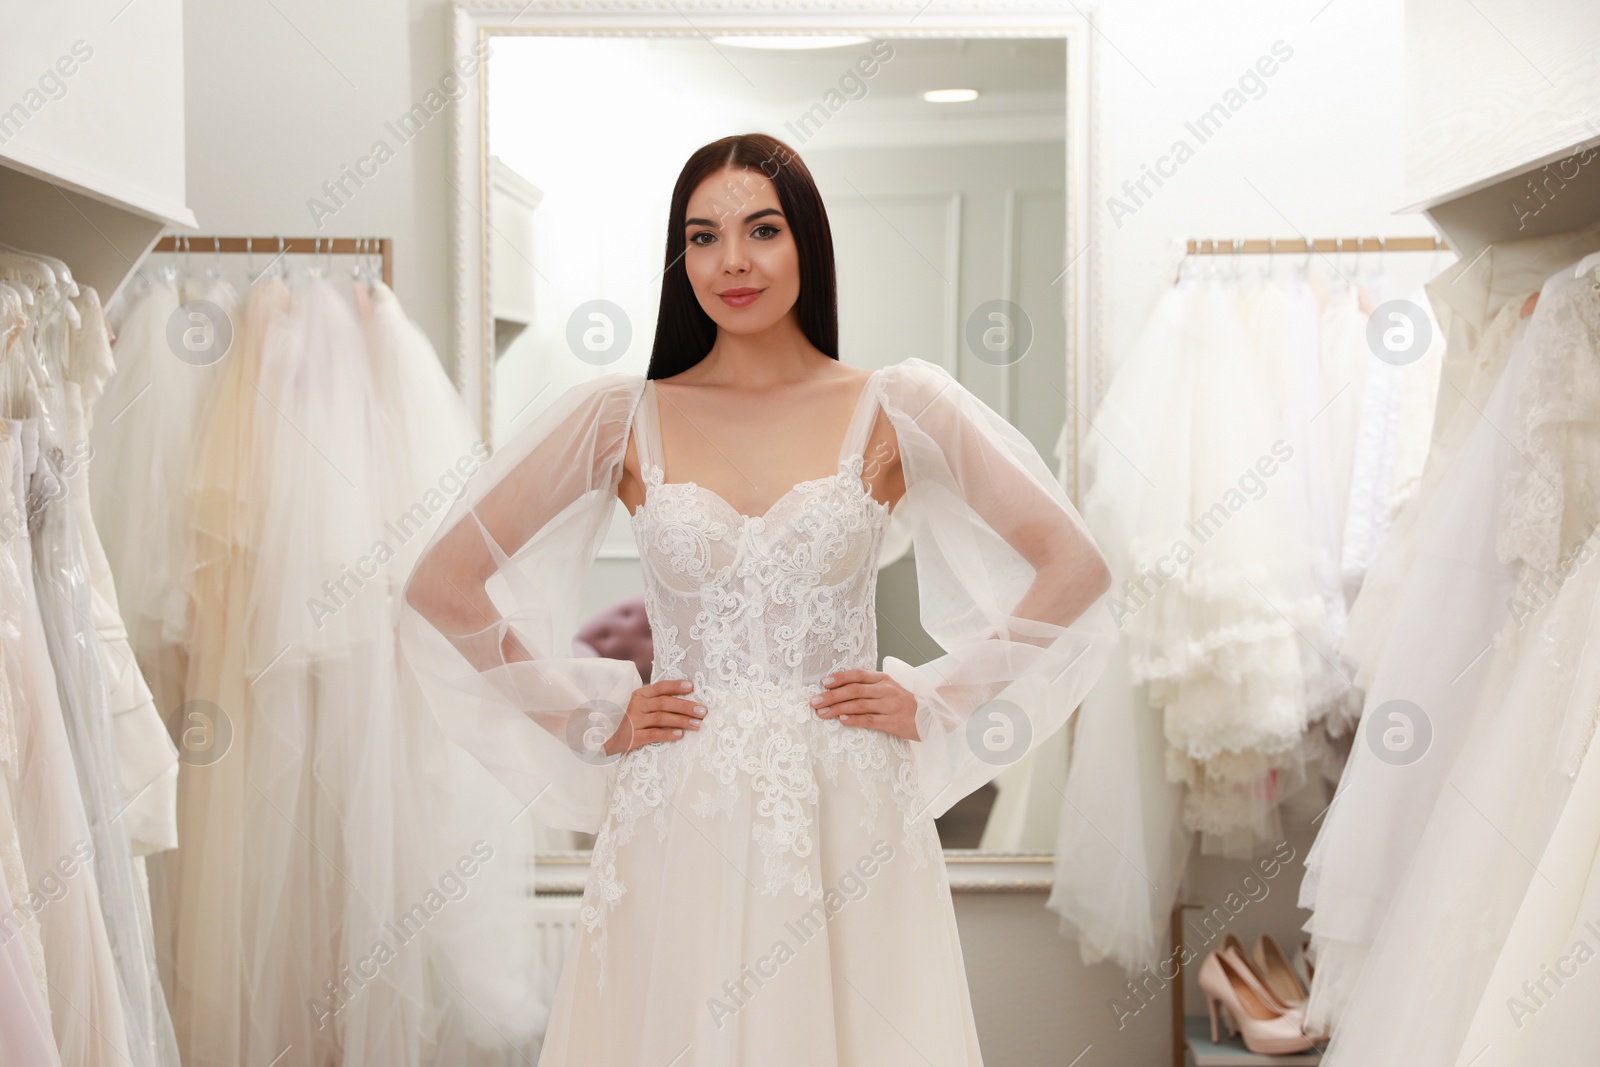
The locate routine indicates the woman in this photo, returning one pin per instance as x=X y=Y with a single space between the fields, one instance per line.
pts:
x=767 y=885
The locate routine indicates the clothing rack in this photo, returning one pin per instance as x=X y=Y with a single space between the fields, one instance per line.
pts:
x=276 y=246
x=1211 y=246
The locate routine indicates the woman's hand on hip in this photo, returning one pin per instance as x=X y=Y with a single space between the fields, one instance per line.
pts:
x=872 y=699
x=660 y=711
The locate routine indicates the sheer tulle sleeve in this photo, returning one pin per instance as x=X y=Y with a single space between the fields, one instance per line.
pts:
x=490 y=608
x=1012 y=586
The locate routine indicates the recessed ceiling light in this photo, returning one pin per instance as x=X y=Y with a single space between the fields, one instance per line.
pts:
x=949 y=96
x=788 y=41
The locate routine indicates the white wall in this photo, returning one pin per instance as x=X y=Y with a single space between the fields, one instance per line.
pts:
x=281 y=96
x=1321 y=153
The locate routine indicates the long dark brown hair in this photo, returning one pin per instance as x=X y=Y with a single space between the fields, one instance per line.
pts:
x=684 y=332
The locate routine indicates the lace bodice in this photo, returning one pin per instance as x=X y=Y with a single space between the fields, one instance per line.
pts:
x=756 y=610
x=763 y=602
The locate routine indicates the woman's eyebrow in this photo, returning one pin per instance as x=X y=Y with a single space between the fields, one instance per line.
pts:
x=748 y=218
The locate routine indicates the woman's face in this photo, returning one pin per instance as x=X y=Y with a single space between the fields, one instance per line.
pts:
x=739 y=251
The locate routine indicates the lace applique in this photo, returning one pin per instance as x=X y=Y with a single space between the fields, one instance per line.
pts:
x=1552 y=499
x=766 y=602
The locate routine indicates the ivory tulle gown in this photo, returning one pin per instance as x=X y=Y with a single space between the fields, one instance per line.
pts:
x=768 y=890
x=1480 y=957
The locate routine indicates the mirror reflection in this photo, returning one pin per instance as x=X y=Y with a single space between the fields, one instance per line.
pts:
x=948 y=219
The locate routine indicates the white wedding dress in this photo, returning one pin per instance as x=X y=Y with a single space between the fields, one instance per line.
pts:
x=1433 y=599
x=769 y=890
x=1476 y=959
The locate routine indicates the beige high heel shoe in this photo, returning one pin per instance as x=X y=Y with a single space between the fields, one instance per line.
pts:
x=1304 y=968
x=1234 y=949
x=1249 y=1009
x=1278 y=976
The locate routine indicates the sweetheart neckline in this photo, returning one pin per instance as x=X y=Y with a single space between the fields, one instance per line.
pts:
x=745 y=520
x=863 y=399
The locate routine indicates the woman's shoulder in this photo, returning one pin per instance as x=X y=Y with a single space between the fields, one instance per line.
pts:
x=603 y=399
x=914 y=383
x=615 y=385
x=915 y=371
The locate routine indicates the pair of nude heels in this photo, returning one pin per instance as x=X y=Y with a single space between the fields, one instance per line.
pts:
x=1262 y=998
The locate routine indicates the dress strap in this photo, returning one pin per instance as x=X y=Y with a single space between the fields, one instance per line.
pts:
x=861 y=423
x=647 y=436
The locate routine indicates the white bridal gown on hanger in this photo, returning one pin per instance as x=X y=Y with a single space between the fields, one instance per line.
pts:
x=768 y=890
x=1476 y=960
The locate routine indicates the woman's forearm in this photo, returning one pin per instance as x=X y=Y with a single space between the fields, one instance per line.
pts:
x=465 y=615
x=1062 y=592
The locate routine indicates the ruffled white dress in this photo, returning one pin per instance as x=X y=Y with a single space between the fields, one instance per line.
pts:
x=1418 y=604
x=470 y=988
x=1499 y=839
x=1121 y=847
x=1222 y=584
x=1391 y=441
x=768 y=890
x=328 y=833
x=1465 y=384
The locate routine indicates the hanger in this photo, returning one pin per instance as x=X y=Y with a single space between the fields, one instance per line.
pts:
x=59 y=271
x=33 y=277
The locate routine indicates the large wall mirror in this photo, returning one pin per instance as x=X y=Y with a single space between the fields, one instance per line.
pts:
x=960 y=224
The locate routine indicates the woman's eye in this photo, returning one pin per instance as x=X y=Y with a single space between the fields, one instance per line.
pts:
x=694 y=238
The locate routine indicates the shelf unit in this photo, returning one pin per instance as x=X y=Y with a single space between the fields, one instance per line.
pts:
x=92 y=164
x=1502 y=139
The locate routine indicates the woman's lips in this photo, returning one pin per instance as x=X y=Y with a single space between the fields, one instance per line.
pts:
x=739 y=297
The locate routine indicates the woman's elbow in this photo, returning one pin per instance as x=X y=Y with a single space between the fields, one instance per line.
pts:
x=1096 y=576
x=418 y=595
x=1081 y=566
x=439 y=600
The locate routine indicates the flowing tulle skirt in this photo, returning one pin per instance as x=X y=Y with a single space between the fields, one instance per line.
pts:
x=311 y=905
x=1538 y=1005
x=696 y=947
x=1436 y=661
x=1486 y=856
